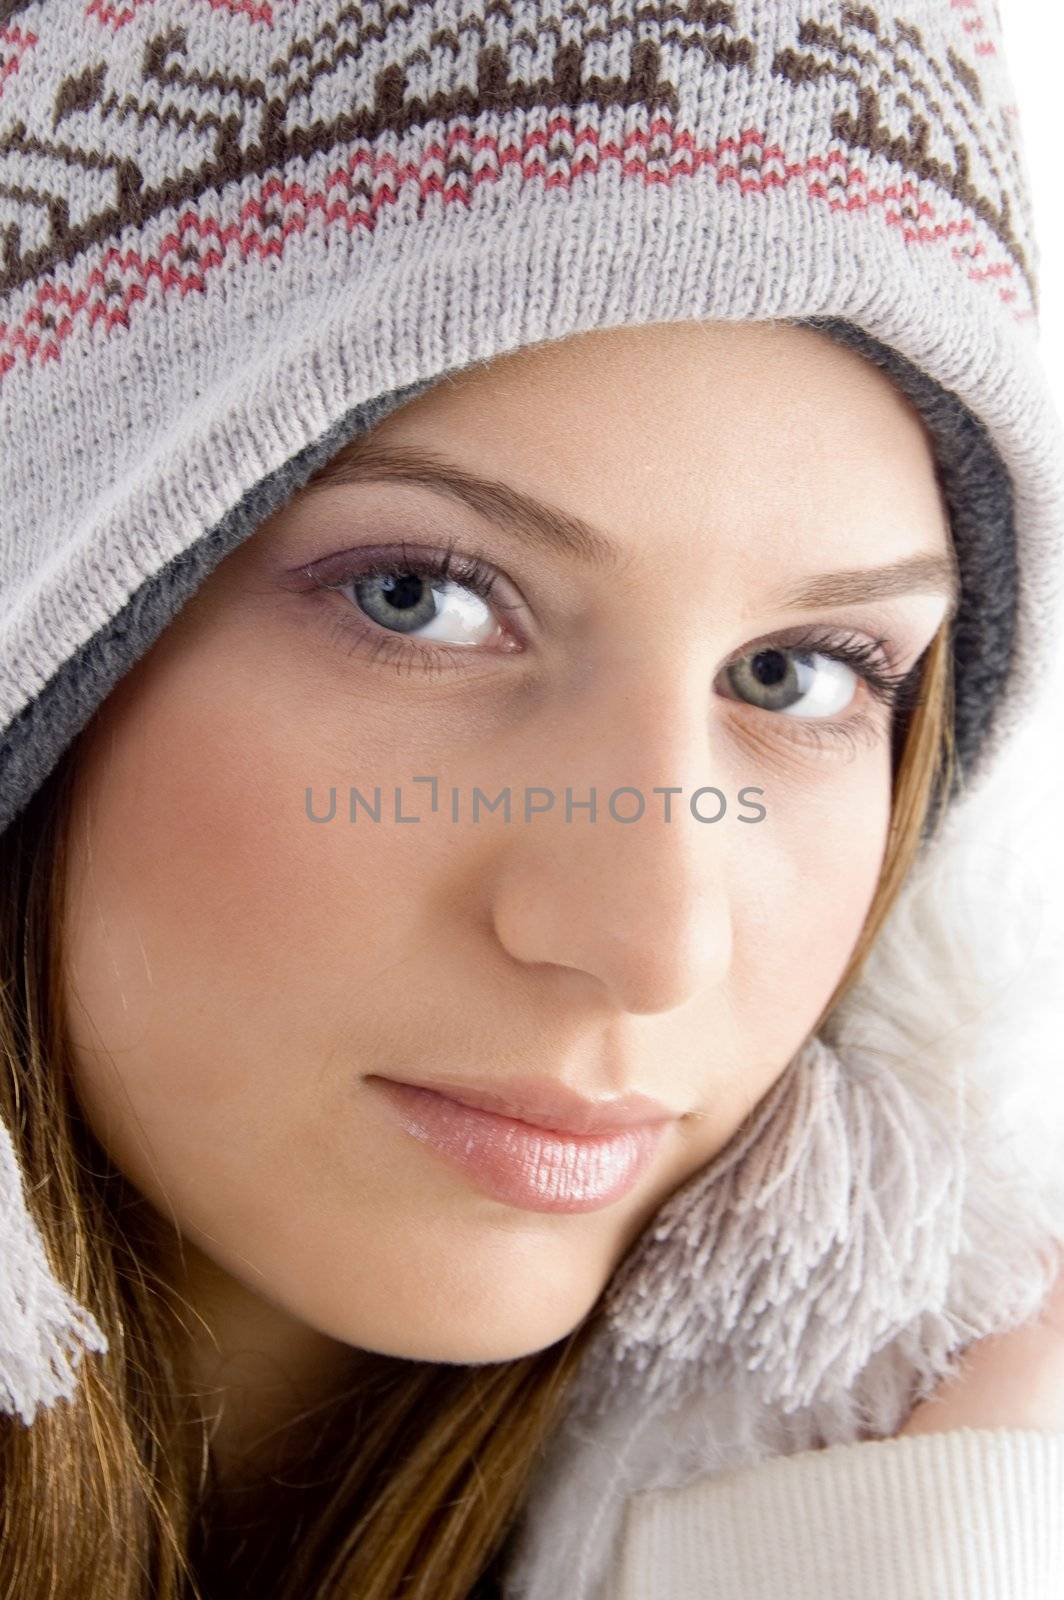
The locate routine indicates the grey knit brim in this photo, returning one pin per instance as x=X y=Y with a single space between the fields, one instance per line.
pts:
x=32 y=745
x=978 y=493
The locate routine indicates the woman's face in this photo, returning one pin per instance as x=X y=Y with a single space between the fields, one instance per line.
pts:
x=240 y=974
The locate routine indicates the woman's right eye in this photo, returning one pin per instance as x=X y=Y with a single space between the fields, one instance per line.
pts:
x=418 y=607
x=413 y=603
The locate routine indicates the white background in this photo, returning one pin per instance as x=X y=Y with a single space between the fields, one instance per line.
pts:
x=1033 y=33
x=1034 y=50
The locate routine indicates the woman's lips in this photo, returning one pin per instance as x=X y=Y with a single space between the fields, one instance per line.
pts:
x=538 y=1169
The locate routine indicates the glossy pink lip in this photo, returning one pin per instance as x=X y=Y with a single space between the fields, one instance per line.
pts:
x=523 y=1164
x=550 y=1106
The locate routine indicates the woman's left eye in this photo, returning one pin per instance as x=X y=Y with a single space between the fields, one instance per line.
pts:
x=813 y=679
x=802 y=684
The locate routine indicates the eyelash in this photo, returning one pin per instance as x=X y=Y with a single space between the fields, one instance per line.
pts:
x=897 y=691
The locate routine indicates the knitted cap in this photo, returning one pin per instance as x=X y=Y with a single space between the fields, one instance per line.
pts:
x=235 y=234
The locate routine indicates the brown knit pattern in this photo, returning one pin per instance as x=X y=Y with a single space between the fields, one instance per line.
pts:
x=334 y=116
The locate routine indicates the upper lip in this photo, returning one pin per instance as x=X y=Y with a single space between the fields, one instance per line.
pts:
x=546 y=1103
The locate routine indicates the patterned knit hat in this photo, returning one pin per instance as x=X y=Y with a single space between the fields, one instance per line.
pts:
x=234 y=234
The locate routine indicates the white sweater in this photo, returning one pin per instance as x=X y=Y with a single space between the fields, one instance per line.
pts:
x=970 y=1514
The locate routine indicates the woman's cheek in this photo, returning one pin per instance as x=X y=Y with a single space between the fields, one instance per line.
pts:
x=802 y=886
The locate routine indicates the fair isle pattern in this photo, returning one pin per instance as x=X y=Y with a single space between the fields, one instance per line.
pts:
x=165 y=178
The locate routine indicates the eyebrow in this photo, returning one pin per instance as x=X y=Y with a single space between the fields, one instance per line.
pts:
x=911 y=575
x=367 y=459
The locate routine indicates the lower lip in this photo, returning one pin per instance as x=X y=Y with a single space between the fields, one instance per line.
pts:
x=538 y=1169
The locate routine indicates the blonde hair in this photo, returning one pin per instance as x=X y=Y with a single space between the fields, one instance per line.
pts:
x=406 y=1484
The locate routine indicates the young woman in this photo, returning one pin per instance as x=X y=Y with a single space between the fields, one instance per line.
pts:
x=527 y=544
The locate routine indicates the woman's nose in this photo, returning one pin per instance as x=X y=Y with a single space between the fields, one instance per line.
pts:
x=640 y=906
